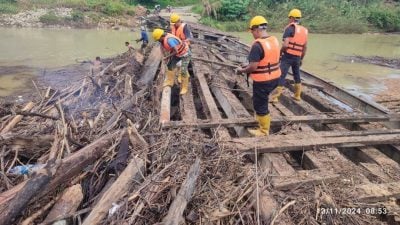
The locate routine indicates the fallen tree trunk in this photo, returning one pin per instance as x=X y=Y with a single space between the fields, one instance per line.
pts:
x=174 y=216
x=133 y=172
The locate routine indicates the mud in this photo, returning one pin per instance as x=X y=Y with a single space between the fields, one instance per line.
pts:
x=375 y=60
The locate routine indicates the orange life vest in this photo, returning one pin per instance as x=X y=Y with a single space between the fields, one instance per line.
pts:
x=180 y=33
x=182 y=48
x=298 y=41
x=268 y=68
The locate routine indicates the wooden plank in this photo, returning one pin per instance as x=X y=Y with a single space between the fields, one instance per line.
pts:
x=209 y=103
x=378 y=192
x=278 y=121
x=305 y=142
x=352 y=100
x=187 y=107
x=275 y=164
x=301 y=178
x=230 y=104
x=150 y=67
x=165 y=112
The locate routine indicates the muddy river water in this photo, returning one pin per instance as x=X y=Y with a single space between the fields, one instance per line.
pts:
x=25 y=53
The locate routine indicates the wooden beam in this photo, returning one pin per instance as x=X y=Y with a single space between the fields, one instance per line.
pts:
x=150 y=67
x=303 y=177
x=278 y=121
x=378 y=192
x=306 y=142
x=208 y=101
x=165 y=112
x=187 y=107
x=174 y=216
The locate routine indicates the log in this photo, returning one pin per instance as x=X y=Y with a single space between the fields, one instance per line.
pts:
x=132 y=173
x=70 y=167
x=184 y=195
x=119 y=67
x=16 y=119
x=150 y=67
x=165 y=112
x=67 y=204
x=128 y=86
x=29 y=190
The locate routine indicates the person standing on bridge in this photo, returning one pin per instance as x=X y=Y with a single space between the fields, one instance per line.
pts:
x=264 y=70
x=178 y=50
x=293 y=50
x=183 y=32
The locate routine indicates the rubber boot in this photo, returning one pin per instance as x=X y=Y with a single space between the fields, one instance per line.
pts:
x=184 y=84
x=297 y=91
x=179 y=75
x=264 y=123
x=275 y=97
x=169 y=78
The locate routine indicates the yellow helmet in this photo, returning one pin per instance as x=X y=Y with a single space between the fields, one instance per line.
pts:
x=295 y=13
x=257 y=20
x=174 y=18
x=157 y=33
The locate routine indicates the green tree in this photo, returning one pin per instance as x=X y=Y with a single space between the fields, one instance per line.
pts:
x=233 y=9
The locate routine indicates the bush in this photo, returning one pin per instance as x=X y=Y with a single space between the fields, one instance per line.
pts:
x=233 y=9
x=77 y=16
x=7 y=7
x=384 y=19
x=113 y=8
x=50 y=18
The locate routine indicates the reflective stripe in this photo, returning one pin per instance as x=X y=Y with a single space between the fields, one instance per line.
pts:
x=268 y=68
x=179 y=32
x=298 y=41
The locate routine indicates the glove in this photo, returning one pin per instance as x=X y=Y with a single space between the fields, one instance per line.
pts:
x=137 y=41
x=301 y=62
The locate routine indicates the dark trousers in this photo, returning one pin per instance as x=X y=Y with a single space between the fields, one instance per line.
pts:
x=288 y=61
x=261 y=91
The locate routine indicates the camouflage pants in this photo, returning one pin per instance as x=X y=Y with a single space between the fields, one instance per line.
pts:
x=185 y=60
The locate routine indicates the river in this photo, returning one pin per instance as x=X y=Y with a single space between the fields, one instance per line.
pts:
x=26 y=52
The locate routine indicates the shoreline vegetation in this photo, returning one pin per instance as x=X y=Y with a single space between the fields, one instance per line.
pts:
x=320 y=16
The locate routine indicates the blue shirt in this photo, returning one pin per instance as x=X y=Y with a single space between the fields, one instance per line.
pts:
x=144 y=36
x=172 y=42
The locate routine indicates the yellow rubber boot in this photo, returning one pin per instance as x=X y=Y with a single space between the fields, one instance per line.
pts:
x=264 y=123
x=169 y=78
x=297 y=92
x=179 y=75
x=275 y=97
x=184 y=84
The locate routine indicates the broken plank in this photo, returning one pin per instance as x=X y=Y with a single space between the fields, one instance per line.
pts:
x=187 y=107
x=305 y=142
x=378 y=192
x=208 y=102
x=276 y=164
x=301 y=178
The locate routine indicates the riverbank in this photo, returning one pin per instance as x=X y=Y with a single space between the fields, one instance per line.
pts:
x=54 y=16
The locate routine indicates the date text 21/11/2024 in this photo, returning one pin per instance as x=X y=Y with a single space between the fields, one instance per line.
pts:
x=352 y=210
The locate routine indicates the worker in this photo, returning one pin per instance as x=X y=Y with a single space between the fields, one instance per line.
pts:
x=178 y=51
x=264 y=70
x=293 y=50
x=182 y=31
x=143 y=38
